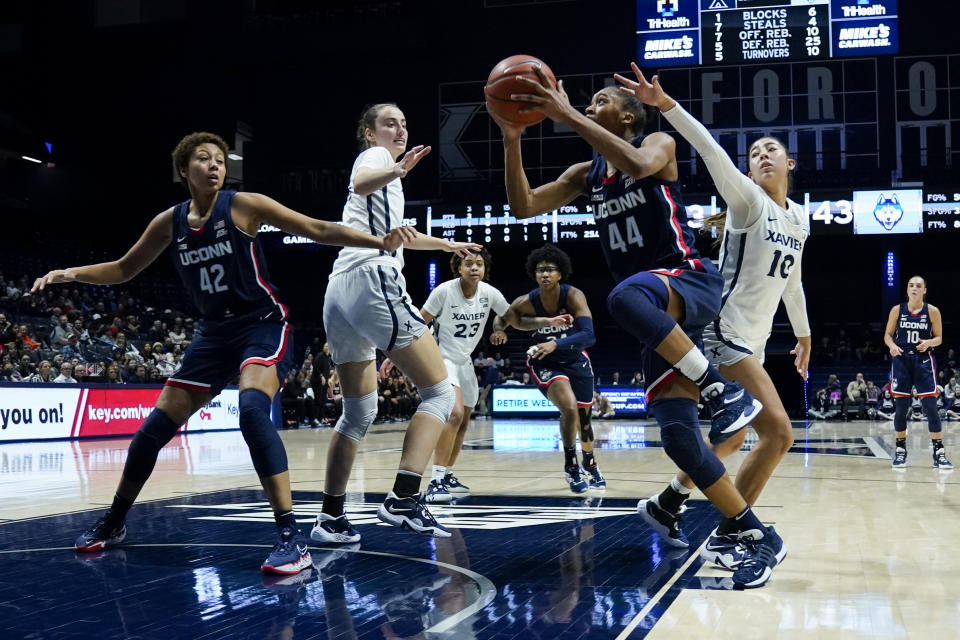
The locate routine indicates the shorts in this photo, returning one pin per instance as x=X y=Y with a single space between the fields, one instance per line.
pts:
x=913 y=370
x=701 y=291
x=464 y=376
x=367 y=308
x=723 y=346
x=579 y=374
x=219 y=351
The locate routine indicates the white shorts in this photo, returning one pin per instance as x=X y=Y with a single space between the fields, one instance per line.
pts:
x=464 y=376
x=367 y=308
x=723 y=346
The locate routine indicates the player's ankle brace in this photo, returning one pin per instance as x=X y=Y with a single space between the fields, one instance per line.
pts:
x=639 y=304
x=155 y=432
x=266 y=448
x=683 y=442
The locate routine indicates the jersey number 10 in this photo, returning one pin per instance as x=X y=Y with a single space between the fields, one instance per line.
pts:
x=215 y=285
x=785 y=266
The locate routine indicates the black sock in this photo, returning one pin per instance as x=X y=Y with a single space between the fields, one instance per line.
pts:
x=406 y=484
x=937 y=444
x=743 y=521
x=570 y=457
x=588 y=460
x=119 y=508
x=333 y=505
x=671 y=500
x=285 y=519
x=902 y=443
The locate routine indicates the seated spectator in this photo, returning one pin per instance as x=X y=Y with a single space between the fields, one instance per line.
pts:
x=872 y=396
x=601 y=406
x=525 y=378
x=176 y=334
x=9 y=373
x=916 y=406
x=141 y=376
x=856 y=396
x=333 y=406
x=27 y=368
x=637 y=381
x=498 y=360
x=953 y=409
x=24 y=336
x=58 y=338
x=615 y=379
x=42 y=376
x=820 y=407
x=886 y=407
x=113 y=375
x=80 y=372
x=66 y=374
x=7 y=333
x=83 y=336
x=71 y=350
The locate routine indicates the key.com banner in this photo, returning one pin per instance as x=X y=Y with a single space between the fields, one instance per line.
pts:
x=49 y=412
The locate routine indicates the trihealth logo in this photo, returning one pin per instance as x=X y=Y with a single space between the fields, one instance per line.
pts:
x=667 y=8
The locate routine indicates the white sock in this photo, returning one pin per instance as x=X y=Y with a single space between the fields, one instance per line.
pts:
x=677 y=486
x=438 y=472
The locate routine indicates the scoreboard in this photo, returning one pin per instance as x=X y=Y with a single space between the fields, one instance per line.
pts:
x=725 y=32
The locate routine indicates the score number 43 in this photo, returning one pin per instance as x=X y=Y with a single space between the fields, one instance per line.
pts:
x=839 y=211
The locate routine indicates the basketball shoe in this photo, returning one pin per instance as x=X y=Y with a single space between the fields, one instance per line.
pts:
x=102 y=535
x=663 y=522
x=411 y=514
x=574 y=477
x=900 y=459
x=760 y=558
x=330 y=530
x=940 y=460
x=453 y=485
x=437 y=493
x=289 y=555
x=731 y=410
x=597 y=481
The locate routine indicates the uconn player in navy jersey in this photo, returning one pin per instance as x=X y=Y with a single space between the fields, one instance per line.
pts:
x=913 y=329
x=243 y=329
x=666 y=295
x=764 y=234
x=562 y=327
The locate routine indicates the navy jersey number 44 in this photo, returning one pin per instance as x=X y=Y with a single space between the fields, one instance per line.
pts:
x=642 y=224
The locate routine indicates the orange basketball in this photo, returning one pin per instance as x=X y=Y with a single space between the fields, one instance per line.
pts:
x=503 y=82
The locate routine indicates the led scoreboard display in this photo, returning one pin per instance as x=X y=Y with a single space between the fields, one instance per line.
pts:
x=730 y=32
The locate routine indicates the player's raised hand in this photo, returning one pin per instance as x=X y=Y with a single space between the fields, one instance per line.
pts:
x=398 y=237
x=462 y=249
x=650 y=93
x=410 y=159
x=52 y=277
x=562 y=321
x=498 y=338
x=509 y=129
x=552 y=101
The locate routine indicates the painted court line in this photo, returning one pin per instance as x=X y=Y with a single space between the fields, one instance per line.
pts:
x=652 y=602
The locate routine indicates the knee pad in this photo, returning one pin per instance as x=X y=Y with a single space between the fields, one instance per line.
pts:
x=155 y=432
x=900 y=411
x=680 y=433
x=586 y=429
x=358 y=414
x=639 y=304
x=266 y=448
x=438 y=400
x=933 y=415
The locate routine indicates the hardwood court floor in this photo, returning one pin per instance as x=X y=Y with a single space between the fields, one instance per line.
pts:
x=870 y=549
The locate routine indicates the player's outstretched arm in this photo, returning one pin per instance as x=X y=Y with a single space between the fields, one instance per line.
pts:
x=582 y=337
x=151 y=244
x=251 y=209
x=370 y=179
x=889 y=331
x=423 y=242
x=738 y=191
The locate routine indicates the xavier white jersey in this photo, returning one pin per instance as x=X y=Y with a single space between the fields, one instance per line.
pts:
x=759 y=264
x=459 y=321
x=376 y=214
x=761 y=249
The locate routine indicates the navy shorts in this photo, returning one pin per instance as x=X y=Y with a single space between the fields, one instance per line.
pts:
x=579 y=374
x=701 y=290
x=914 y=370
x=220 y=351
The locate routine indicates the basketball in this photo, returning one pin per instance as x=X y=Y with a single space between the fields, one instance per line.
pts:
x=504 y=81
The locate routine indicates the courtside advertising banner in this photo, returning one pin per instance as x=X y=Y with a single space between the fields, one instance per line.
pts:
x=55 y=411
